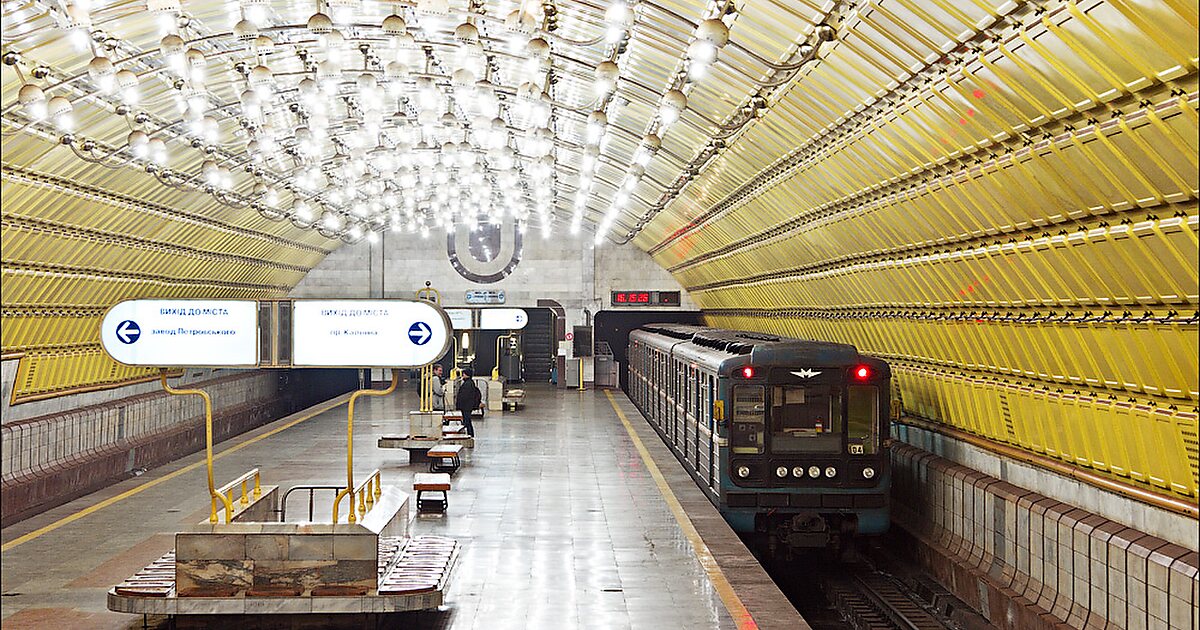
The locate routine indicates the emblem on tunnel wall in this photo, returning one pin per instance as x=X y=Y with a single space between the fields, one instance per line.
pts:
x=487 y=254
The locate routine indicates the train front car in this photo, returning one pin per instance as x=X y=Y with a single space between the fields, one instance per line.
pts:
x=807 y=426
x=787 y=437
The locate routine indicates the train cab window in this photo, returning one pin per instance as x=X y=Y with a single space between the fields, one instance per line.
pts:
x=862 y=417
x=806 y=419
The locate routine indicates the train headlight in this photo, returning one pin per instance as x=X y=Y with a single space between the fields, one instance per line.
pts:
x=743 y=471
x=830 y=472
x=814 y=471
x=798 y=472
x=781 y=472
x=869 y=473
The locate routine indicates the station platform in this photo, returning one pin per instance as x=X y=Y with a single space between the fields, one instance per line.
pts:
x=569 y=513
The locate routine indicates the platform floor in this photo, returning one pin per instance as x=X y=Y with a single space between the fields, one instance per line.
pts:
x=571 y=514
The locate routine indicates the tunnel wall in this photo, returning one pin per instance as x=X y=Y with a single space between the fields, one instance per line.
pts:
x=1027 y=561
x=1000 y=199
x=52 y=458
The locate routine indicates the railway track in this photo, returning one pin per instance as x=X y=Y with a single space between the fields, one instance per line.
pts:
x=875 y=590
x=869 y=600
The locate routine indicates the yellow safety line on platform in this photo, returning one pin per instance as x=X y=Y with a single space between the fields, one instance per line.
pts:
x=729 y=597
x=20 y=540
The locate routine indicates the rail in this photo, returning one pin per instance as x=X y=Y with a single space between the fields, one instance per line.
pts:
x=208 y=444
x=226 y=492
x=312 y=490
x=367 y=492
x=350 y=487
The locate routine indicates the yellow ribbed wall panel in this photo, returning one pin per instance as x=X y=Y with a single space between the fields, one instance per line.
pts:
x=80 y=239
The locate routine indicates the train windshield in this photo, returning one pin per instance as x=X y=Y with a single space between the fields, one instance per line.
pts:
x=806 y=419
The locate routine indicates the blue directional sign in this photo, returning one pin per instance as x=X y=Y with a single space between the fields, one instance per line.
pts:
x=128 y=331
x=420 y=333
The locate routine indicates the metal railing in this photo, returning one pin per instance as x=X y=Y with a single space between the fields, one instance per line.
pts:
x=367 y=492
x=350 y=487
x=226 y=493
x=312 y=490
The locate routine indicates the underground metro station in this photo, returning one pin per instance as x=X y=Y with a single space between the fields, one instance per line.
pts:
x=664 y=314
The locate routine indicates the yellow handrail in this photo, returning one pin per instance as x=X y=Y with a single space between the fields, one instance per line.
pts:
x=226 y=492
x=368 y=492
x=496 y=370
x=349 y=489
x=208 y=445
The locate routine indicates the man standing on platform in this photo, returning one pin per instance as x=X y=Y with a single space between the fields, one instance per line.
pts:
x=439 y=389
x=467 y=399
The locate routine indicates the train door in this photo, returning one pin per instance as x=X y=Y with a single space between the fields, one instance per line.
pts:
x=660 y=393
x=698 y=410
x=685 y=407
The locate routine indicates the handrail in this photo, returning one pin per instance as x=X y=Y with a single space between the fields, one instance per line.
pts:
x=350 y=487
x=368 y=492
x=208 y=445
x=226 y=492
x=496 y=370
x=311 y=490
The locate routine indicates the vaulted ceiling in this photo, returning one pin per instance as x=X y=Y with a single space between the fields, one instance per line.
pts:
x=999 y=197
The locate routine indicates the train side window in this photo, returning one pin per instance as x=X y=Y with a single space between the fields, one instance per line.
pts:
x=806 y=419
x=862 y=416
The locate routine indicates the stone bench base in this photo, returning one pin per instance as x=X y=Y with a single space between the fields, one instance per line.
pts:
x=413 y=575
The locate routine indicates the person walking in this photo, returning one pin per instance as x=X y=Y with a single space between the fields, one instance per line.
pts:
x=467 y=399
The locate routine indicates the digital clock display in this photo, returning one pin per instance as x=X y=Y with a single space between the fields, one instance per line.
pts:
x=645 y=298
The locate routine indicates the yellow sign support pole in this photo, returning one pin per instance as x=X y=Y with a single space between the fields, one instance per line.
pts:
x=496 y=370
x=349 y=489
x=208 y=445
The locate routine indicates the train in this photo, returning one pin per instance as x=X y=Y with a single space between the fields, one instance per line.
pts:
x=789 y=438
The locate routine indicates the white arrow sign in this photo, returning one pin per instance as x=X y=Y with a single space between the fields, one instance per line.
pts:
x=368 y=333
x=190 y=333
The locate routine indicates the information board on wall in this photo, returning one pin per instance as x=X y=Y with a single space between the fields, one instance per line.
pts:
x=368 y=333
x=190 y=333
x=460 y=318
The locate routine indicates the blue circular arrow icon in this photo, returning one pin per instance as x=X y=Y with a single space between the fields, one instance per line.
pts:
x=128 y=331
x=420 y=333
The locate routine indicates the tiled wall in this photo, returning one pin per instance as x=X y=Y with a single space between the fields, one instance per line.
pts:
x=562 y=269
x=1028 y=561
x=38 y=443
x=53 y=457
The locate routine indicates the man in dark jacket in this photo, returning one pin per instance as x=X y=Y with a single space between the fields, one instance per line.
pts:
x=467 y=399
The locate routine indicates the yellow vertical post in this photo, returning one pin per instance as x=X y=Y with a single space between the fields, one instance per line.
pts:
x=427 y=389
x=496 y=370
x=349 y=489
x=208 y=445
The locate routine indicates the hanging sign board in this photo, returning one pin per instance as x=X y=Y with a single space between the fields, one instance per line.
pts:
x=191 y=333
x=368 y=333
x=502 y=318
x=460 y=318
x=485 y=297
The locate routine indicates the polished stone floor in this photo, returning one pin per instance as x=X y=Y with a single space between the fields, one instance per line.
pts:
x=561 y=523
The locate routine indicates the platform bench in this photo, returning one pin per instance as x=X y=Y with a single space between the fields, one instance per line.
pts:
x=437 y=483
x=445 y=458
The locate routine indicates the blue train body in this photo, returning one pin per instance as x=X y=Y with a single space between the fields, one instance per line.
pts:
x=787 y=437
